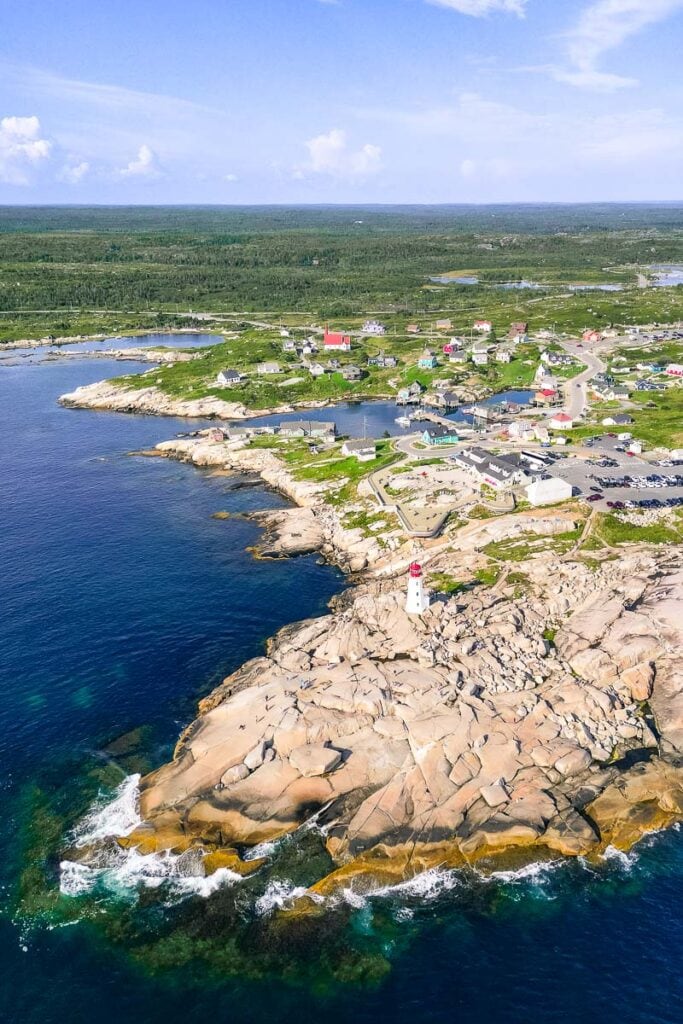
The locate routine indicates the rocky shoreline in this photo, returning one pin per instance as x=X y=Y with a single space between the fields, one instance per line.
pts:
x=461 y=736
x=507 y=724
x=110 y=396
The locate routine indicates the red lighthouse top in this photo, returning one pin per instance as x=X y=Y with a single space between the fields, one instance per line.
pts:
x=415 y=570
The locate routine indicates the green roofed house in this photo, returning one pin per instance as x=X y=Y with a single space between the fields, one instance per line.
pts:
x=440 y=434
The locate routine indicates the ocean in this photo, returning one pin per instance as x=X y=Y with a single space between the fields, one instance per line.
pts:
x=123 y=601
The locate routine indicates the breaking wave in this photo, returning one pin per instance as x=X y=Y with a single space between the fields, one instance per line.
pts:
x=536 y=873
x=280 y=893
x=625 y=861
x=118 y=817
x=122 y=872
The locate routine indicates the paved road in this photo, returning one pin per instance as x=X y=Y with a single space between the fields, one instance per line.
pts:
x=576 y=399
x=406 y=444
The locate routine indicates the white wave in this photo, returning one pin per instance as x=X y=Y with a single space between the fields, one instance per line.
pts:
x=261 y=850
x=118 y=817
x=626 y=861
x=280 y=893
x=123 y=872
x=74 y=879
x=536 y=873
x=426 y=886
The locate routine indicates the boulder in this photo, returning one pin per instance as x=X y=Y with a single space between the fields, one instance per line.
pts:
x=313 y=759
x=573 y=762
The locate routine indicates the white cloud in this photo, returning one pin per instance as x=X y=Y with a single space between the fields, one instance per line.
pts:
x=104 y=123
x=330 y=154
x=487 y=140
x=602 y=26
x=72 y=174
x=144 y=165
x=495 y=167
x=21 y=148
x=481 y=8
x=230 y=177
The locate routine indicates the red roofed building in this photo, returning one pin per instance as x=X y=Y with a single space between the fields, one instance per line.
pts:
x=546 y=396
x=483 y=326
x=336 y=341
x=519 y=327
x=591 y=336
x=561 y=421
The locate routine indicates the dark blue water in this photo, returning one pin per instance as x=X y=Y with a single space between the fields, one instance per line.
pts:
x=122 y=601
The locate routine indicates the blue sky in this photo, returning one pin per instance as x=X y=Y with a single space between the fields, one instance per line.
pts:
x=289 y=101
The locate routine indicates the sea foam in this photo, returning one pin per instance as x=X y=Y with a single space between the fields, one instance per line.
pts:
x=122 y=872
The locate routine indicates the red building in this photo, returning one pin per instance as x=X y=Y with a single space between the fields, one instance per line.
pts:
x=336 y=341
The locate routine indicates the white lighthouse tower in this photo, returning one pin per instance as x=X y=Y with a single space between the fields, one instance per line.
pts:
x=417 y=600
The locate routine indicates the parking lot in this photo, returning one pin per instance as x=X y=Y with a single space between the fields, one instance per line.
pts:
x=609 y=478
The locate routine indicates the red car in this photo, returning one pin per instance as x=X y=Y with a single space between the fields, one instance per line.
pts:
x=595 y=497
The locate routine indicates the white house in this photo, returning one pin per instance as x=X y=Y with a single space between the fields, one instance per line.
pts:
x=373 y=327
x=482 y=326
x=316 y=370
x=521 y=431
x=226 y=378
x=480 y=358
x=548 y=490
x=561 y=421
x=268 y=367
x=364 y=450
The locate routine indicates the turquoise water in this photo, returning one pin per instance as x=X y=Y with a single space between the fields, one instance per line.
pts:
x=122 y=602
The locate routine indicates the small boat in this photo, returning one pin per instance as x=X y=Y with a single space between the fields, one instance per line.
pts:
x=403 y=421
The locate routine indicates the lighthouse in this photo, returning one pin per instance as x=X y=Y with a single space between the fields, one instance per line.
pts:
x=417 y=600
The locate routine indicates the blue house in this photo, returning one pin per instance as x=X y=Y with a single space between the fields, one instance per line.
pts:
x=427 y=360
x=439 y=434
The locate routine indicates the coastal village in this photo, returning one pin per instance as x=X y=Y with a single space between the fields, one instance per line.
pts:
x=510 y=640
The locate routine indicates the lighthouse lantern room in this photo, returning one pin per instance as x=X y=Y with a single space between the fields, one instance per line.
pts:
x=417 y=600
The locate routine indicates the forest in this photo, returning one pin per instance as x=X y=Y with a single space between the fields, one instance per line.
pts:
x=81 y=268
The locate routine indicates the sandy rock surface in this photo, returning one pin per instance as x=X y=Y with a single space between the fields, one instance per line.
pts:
x=451 y=736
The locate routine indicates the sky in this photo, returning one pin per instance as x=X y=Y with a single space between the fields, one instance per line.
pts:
x=340 y=101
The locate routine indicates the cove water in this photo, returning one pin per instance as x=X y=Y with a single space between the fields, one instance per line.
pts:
x=122 y=602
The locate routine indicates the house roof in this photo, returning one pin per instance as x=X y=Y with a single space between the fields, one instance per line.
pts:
x=229 y=373
x=336 y=338
x=308 y=426
x=441 y=431
x=562 y=417
x=365 y=444
x=500 y=469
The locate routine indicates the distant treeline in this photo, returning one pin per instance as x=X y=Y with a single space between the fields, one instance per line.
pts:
x=327 y=260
